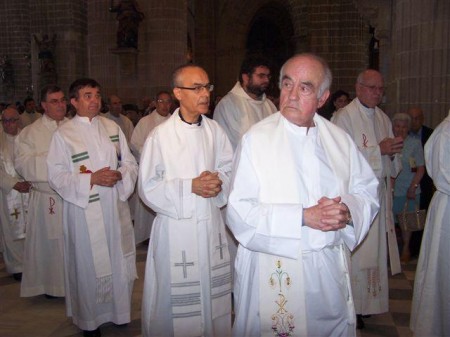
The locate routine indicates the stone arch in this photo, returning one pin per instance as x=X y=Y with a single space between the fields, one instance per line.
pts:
x=234 y=29
x=270 y=33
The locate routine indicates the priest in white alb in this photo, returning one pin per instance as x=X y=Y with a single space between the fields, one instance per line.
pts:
x=43 y=263
x=431 y=300
x=92 y=168
x=302 y=195
x=14 y=195
x=371 y=129
x=115 y=114
x=246 y=103
x=184 y=176
x=143 y=215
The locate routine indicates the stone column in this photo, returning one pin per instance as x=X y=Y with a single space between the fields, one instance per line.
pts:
x=340 y=34
x=15 y=46
x=64 y=26
x=103 y=65
x=421 y=51
x=164 y=43
x=204 y=41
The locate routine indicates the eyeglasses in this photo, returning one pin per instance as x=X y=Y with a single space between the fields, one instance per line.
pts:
x=164 y=100
x=373 y=87
x=9 y=120
x=58 y=101
x=198 y=88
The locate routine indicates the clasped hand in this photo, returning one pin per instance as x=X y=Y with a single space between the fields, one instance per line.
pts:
x=105 y=177
x=391 y=146
x=22 y=186
x=207 y=184
x=327 y=215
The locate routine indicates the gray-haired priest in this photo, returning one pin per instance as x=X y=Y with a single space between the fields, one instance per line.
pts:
x=302 y=195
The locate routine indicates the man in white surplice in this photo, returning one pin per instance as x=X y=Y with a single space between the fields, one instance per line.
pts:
x=245 y=105
x=14 y=195
x=115 y=114
x=43 y=263
x=143 y=215
x=300 y=192
x=431 y=300
x=92 y=168
x=30 y=115
x=184 y=176
x=371 y=130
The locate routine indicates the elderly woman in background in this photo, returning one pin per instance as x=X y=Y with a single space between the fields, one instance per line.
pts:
x=407 y=183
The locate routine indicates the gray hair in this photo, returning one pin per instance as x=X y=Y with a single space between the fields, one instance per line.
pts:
x=402 y=117
x=327 y=79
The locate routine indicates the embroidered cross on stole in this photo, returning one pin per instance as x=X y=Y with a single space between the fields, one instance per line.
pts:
x=189 y=272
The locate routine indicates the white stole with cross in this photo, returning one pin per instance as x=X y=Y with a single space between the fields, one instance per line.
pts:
x=370 y=127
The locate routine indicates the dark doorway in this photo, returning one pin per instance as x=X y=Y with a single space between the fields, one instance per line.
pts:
x=270 y=34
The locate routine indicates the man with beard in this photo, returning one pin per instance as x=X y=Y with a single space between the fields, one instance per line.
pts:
x=246 y=104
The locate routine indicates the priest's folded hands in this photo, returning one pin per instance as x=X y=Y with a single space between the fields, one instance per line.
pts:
x=207 y=184
x=327 y=215
x=105 y=177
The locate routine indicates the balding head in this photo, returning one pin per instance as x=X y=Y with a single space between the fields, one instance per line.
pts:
x=417 y=118
x=370 y=88
x=304 y=87
x=10 y=121
x=115 y=105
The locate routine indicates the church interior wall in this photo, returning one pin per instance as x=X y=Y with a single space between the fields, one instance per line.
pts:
x=421 y=57
x=414 y=49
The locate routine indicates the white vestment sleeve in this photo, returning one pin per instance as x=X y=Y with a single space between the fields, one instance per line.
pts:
x=437 y=157
x=73 y=187
x=268 y=228
x=138 y=138
x=28 y=163
x=128 y=168
x=361 y=201
x=7 y=181
x=223 y=166
x=226 y=116
x=173 y=198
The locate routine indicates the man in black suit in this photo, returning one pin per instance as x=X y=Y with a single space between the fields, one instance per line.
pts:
x=422 y=132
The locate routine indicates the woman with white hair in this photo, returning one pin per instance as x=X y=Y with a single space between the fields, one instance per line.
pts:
x=407 y=183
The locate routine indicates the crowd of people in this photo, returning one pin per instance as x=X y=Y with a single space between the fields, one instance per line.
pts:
x=285 y=214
